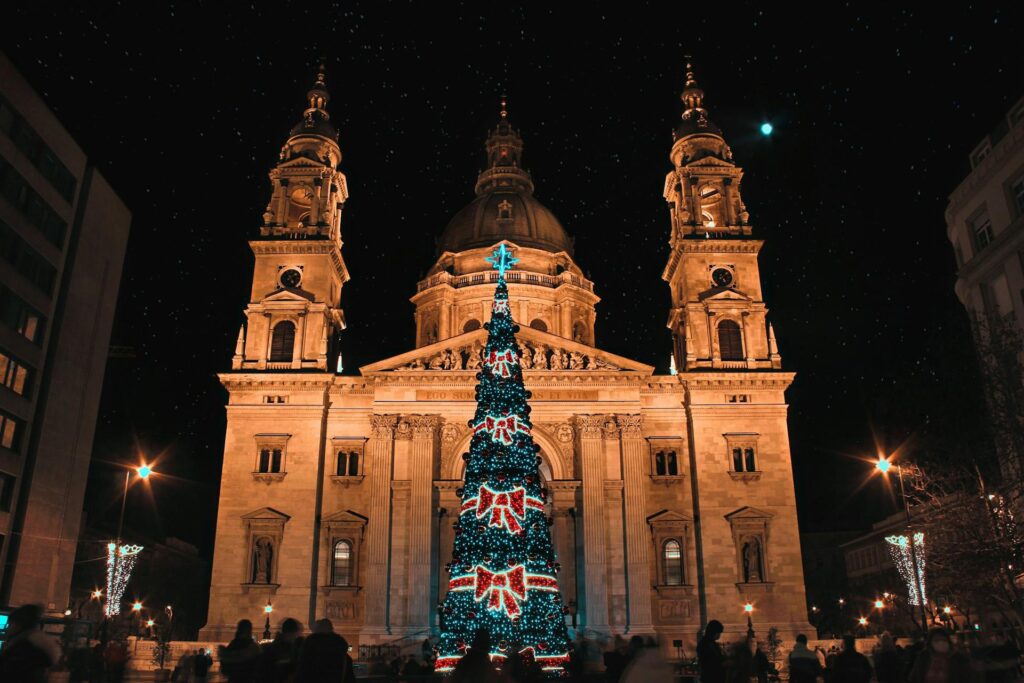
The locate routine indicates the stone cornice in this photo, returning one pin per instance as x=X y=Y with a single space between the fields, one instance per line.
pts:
x=743 y=379
x=707 y=246
x=566 y=379
x=248 y=381
x=286 y=246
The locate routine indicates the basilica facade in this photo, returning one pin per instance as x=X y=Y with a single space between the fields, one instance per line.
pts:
x=671 y=496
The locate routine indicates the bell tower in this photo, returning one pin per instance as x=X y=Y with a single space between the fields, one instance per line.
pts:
x=294 y=317
x=718 y=317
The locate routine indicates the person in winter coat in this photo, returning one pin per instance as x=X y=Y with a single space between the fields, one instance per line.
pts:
x=279 y=658
x=239 y=658
x=709 y=655
x=888 y=664
x=804 y=665
x=324 y=657
x=28 y=652
x=850 y=666
x=475 y=666
x=938 y=663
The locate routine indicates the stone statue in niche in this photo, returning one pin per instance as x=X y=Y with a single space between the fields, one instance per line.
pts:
x=262 y=559
x=752 y=560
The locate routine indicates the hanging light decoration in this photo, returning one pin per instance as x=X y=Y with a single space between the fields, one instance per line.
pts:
x=120 y=562
x=902 y=550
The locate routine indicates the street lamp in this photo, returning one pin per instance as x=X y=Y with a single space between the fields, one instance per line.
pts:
x=884 y=465
x=748 y=609
x=266 y=627
x=879 y=604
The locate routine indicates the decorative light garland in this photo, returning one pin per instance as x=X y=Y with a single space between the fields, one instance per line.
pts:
x=502 y=429
x=120 y=562
x=902 y=551
x=506 y=508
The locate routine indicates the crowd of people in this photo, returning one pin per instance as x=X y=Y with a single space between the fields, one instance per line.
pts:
x=937 y=659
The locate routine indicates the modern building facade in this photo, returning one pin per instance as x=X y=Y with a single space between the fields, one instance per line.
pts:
x=671 y=495
x=985 y=224
x=63 y=233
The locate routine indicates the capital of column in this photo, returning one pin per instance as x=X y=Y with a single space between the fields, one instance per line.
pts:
x=630 y=425
x=404 y=430
x=424 y=426
x=590 y=426
x=383 y=426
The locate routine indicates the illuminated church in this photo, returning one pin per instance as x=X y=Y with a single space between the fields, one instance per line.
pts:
x=671 y=495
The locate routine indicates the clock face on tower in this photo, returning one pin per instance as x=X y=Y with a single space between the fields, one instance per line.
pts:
x=291 y=278
x=721 y=277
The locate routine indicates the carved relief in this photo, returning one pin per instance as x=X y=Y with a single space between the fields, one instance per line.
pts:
x=534 y=357
x=423 y=426
x=382 y=425
x=589 y=426
x=449 y=433
x=404 y=430
x=630 y=425
x=564 y=433
x=673 y=611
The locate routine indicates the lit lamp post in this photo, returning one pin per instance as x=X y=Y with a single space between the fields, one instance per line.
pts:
x=884 y=465
x=266 y=627
x=120 y=559
x=748 y=609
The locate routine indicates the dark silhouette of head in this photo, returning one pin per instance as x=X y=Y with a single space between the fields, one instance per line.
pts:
x=290 y=629
x=323 y=626
x=481 y=640
x=25 y=618
x=636 y=643
x=244 y=629
x=801 y=638
x=714 y=629
x=849 y=643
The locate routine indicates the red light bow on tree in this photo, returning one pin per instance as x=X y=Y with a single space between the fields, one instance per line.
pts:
x=502 y=429
x=506 y=508
x=502 y=362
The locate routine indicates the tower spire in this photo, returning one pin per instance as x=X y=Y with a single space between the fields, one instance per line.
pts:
x=504 y=157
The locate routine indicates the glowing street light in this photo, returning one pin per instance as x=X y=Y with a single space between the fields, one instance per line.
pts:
x=879 y=604
x=97 y=594
x=883 y=465
x=842 y=602
x=947 y=610
x=748 y=608
x=144 y=471
x=862 y=621
x=137 y=606
x=766 y=129
x=150 y=623
x=266 y=627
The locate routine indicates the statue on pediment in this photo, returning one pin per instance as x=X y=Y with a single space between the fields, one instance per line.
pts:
x=575 y=360
x=526 y=359
x=474 y=357
x=540 y=358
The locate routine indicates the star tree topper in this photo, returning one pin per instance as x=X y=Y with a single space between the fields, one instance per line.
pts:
x=502 y=260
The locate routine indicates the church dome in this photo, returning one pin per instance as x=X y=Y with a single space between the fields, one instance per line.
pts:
x=514 y=216
x=504 y=208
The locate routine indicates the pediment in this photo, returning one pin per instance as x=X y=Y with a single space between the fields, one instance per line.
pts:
x=289 y=295
x=723 y=294
x=748 y=513
x=668 y=517
x=710 y=161
x=559 y=355
x=345 y=517
x=301 y=161
x=266 y=514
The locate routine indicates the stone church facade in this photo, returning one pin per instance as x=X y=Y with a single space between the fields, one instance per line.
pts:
x=671 y=495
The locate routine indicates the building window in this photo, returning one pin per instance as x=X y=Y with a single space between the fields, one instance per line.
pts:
x=743 y=459
x=342 y=574
x=539 y=324
x=6 y=491
x=13 y=374
x=1017 y=190
x=672 y=556
x=730 y=341
x=26 y=260
x=666 y=464
x=348 y=464
x=505 y=210
x=275 y=399
x=21 y=317
x=981 y=228
x=283 y=342
x=980 y=152
x=737 y=398
x=10 y=430
x=270 y=461
x=32 y=146
x=26 y=200
x=471 y=324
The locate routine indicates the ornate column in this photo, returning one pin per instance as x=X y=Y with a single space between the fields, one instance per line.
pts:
x=748 y=351
x=727 y=211
x=443 y=324
x=378 y=469
x=592 y=468
x=566 y=322
x=421 y=560
x=638 y=549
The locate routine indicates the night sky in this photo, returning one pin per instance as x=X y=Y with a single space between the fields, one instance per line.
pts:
x=184 y=107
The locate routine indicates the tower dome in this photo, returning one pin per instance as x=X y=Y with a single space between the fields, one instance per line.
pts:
x=504 y=208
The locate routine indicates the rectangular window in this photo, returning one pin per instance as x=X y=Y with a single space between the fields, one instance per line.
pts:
x=979 y=153
x=35 y=150
x=275 y=461
x=981 y=227
x=264 y=464
x=14 y=374
x=1017 y=191
x=6 y=491
x=26 y=260
x=26 y=200
x=10 y=430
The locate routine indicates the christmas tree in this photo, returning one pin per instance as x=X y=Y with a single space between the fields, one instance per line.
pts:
x=502 y=573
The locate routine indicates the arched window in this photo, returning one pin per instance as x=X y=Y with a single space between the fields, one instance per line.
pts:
x=282 y=342
x=730 y=340
x=672 y=556
x=471 y=324
x=539 y=324
x=353 y=464
x=342 y=575
x=737 y=459
x=270 y=461
x=673 y=466
x=748 y=456
x=342 y=466
x=659 y=463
